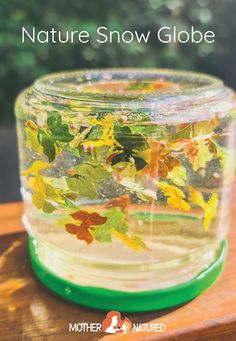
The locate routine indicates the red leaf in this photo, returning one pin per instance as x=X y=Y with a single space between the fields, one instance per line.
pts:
x=72 y=228
x=80 y=215
x=121 y=202
x=96 y=219
x=89 y=218
x=87 y=221
x=84 y=234
x=161 y=162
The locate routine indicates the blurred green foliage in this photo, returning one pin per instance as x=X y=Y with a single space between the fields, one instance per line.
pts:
x=21 y=63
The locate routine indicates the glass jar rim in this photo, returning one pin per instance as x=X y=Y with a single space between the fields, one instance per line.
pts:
x=70 y=84
x=205 y=97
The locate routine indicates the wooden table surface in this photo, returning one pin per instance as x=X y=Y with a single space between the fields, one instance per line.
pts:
x=29 y=311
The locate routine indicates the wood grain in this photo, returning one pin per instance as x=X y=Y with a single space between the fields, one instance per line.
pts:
x=10 y=218
x=28 y=311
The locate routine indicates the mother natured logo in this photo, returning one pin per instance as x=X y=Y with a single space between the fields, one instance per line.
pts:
x=114 y=324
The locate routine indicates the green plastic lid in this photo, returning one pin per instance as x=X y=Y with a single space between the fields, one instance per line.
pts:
x=107 y=299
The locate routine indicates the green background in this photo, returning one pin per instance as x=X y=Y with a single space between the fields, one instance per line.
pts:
x=21 y=63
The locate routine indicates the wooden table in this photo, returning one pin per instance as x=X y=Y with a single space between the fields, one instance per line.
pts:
x=28 y=311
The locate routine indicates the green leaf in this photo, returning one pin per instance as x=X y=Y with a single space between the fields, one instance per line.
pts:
x=157 y=131
x=48 y=207
x=95 y=133
x=40 y=202
x=128 y=140
x=138 y=85
x=124 y=157
x=60 y=131
x=88 y=179
x=48 y=145
x=92 y=170
x=139 y=162
x=82 y=187
x=116 y=220
x=57 y=132
x=184 y=133
x=78 y=152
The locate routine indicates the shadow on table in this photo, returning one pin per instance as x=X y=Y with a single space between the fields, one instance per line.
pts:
x=27 y=299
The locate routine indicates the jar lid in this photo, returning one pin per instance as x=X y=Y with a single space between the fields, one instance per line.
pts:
x=107 y=299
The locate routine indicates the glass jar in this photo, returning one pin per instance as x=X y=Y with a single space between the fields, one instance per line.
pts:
x=126 y=177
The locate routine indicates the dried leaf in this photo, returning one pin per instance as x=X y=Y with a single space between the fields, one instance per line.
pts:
x=133 y=186
x=209 y=207
x=48 y=144
x=107 y=138
x=178 y=176
x=210 y=210
x=128 y=140
x=60 y=131
x=36 y=167
x=122 y=202
x=116 y=219
x=150 y=86
x=79 y=138
x=89 y=218
x=43 y=193
x=87 y=225
x=57 y=132
x=161 y=161
x=87 y=179
x=32 y=141
x=196 y=197
x=133 y=242
x=175 y=197
x=81 y=187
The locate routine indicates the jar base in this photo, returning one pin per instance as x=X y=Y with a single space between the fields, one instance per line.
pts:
x=106 y=299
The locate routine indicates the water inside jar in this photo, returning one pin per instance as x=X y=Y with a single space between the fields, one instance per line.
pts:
x=128 y=205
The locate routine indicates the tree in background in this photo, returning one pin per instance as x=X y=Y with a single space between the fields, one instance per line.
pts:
x=21 y=63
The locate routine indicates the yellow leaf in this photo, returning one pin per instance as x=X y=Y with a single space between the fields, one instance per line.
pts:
x=124 y=169
x=178 y=203
x=178 y=176
x=43 y=193
x=175 y=197
x=210 y=210
x=40 y=203
x=32 y=184
x=134 y=242
x=67 y=219
x=37 y=184
x=196 y=197
x=77 y=105
x=203 y=128
x=36 y=167
x=79 y=138
x=38 y=200
x=203 y=155
x=32 y=140
x=209 y=207
x=107 y=138
x=145 y=154
x=196 y=150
